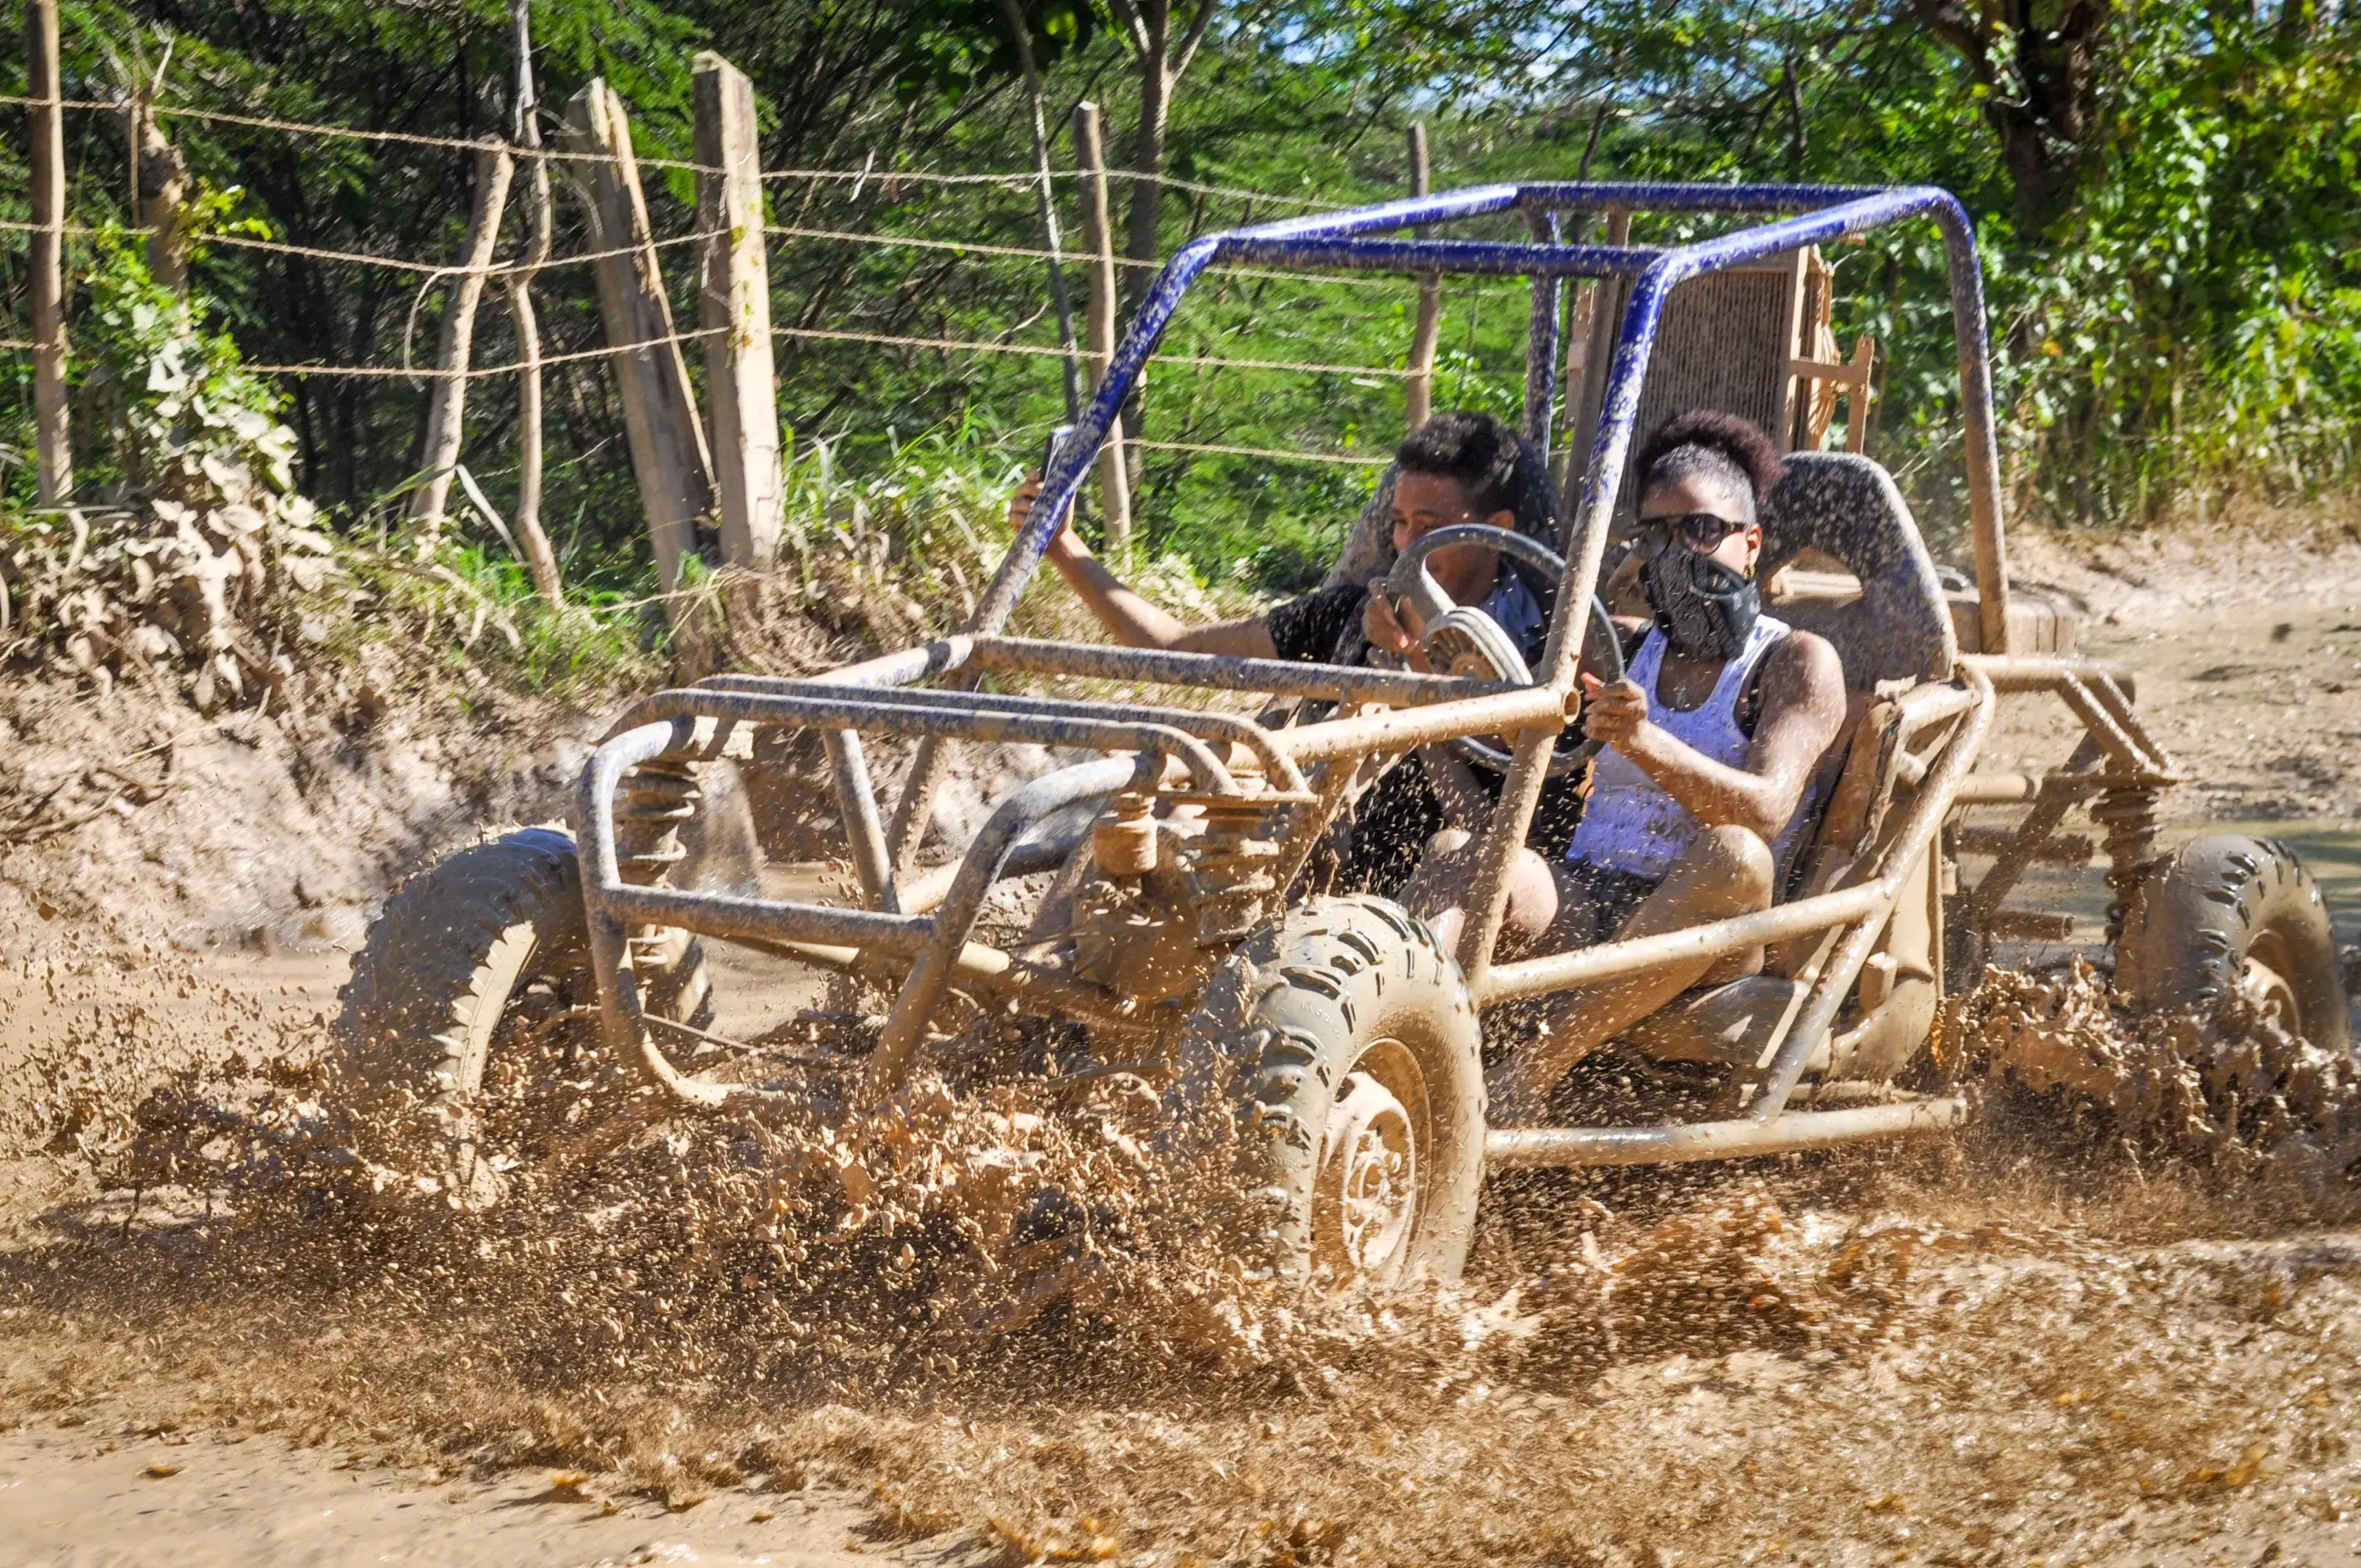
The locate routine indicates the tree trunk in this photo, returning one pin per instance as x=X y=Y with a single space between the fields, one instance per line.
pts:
x=532 y=538
x=2041 y=81
x=447 y=406
x=1148 y=163
x=52 y=423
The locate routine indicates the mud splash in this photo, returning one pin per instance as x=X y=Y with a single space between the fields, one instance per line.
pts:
x=2224 y=1086
x=982 y=1312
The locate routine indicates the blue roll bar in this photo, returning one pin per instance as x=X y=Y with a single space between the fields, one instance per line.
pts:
x=1351 y=241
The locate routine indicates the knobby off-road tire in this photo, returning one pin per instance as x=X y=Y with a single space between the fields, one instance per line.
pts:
x=2225 y=915
x=468 y=1034
x=1343 y=1043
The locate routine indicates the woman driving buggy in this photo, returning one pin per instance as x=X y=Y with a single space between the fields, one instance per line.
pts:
x=1710 y=744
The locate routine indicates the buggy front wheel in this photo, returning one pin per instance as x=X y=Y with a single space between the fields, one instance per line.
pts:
x=469 y=1039
x=1343 y=1044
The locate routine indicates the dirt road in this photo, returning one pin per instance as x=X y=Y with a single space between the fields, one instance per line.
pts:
x=1961 y=1353
x=82 y=1496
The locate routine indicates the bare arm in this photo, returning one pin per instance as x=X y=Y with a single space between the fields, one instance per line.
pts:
x=1803 y=708
x=1132 y=620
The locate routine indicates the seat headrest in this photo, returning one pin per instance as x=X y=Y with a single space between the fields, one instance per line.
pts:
x=1848 y=506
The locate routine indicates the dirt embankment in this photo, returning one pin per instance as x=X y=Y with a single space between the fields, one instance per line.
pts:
x=2021 y=1346
x=2247 y=651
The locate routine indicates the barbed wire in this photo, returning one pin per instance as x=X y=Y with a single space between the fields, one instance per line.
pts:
x=81 y=231
x=1083 y=259
x=355 y=133
x=1328 y=457
x=504 y=270
x=972 y=345
x=1026 y=179
x=1014 y=179
x=783 y=231
x=472 y=373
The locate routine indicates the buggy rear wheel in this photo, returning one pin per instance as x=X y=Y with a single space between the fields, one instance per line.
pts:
x=468 y=1035
x=1344 y=1044
x=2225 y=915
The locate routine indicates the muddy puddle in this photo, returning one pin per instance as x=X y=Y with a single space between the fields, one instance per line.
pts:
x=981 y=1336
x=976 y=1331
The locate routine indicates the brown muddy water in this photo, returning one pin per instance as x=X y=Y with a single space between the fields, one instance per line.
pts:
x=2038 y=1343
x=2047 y=1342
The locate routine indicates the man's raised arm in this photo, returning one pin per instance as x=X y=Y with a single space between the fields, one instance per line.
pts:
x=1130 y=617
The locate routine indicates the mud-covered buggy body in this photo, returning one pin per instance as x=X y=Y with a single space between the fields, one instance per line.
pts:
x=1333 y=1037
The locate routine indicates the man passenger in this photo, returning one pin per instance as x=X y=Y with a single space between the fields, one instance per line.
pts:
x=1458 y=468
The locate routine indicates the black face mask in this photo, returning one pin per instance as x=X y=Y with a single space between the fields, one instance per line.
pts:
x=1704 y=608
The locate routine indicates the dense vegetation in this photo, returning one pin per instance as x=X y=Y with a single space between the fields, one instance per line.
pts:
x=2166 y=193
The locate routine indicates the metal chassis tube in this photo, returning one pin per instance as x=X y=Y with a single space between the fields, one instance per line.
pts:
x=940 y=945
x=1206 y=725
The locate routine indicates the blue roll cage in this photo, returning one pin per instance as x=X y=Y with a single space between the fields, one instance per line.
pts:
x=1355 y=241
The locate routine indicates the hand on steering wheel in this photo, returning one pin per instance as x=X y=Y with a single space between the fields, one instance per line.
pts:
x=1465 y=640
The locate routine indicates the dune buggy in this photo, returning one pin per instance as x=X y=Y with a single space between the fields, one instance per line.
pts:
x=525 y=988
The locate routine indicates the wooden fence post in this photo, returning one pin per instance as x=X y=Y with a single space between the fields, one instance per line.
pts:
x=525 y=131
x=1429 y=324
x=1098 y=234
x=159 y=184
x=52 y=432
x=735 y=305
x=447 y=406
x=668 y=451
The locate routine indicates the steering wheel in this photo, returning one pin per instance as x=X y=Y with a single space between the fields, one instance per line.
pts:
x=1463 y=640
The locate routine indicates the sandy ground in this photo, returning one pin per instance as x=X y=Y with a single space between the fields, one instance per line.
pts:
x=82 y=1496
x=1950 y=1356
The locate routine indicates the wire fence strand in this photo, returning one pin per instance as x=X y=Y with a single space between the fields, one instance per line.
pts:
x=504 y=270
x=972 y=346
x=1083 y=259
x=355 y=133
x=428 y=373
x=1339 y=458
x=1029 y=177
x=1018 y=178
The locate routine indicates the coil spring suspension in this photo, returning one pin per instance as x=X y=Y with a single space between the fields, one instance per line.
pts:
x=651 y=803
x=1233 y=873
x=2128 y=816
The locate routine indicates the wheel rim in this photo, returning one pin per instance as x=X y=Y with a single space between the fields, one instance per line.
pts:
x=1366 y=1199
x=2262 y=979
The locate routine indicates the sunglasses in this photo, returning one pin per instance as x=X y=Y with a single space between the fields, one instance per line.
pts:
x=1698 y=530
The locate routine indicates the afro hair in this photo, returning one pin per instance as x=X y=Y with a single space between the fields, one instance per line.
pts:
x=1745 y=453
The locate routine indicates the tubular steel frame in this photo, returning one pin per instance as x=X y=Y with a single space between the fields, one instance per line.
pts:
x=1379 y=710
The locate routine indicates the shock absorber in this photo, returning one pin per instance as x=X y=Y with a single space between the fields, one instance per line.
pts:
x=651 y=803
x=2128 y=816
x=1233 y=871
